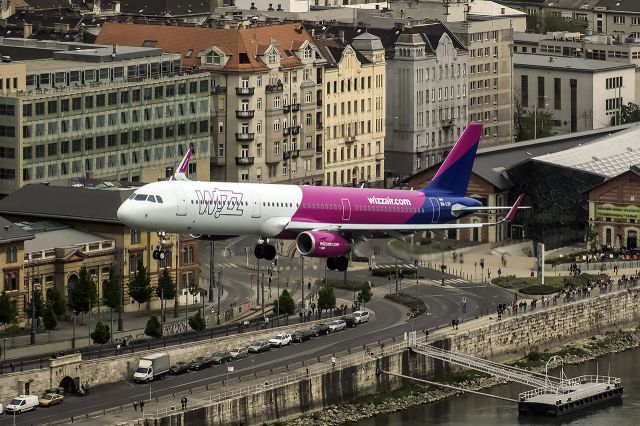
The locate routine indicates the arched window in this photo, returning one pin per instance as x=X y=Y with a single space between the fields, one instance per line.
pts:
x=135 y=236
x=11 y=254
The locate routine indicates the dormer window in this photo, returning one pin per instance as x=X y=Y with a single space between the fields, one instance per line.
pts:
x=306 y=53
x=212 y=58
x=273 y=56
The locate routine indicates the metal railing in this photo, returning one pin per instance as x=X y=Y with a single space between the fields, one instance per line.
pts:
x=575 y=386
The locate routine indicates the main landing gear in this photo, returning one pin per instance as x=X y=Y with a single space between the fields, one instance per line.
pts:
x=265 y=251
x=158 y=253
x=339 y=263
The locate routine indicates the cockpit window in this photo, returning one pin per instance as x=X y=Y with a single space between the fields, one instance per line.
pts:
x=140 y=197
x=151 y=198
x=158 y=199
x=132 y=196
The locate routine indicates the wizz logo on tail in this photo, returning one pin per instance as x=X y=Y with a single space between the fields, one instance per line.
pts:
x=220 y=202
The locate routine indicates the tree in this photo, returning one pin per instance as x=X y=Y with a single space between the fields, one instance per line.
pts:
x=196 y=322
x=8 y=314
x=37 y=299
x=56 y=301
x=326 y=298
x=84 y=296
x=102 y=334
x=166 y=289
x=49 y=319
x=630 y=113
x=591 y=238
x=140 y=286
x=544 y=22
x=364 y=295
x=111 y=294
x=285 y=303
x=526 y=124
x=153 y=328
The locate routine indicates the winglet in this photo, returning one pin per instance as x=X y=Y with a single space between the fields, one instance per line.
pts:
x=512 y=213
x=181 y=171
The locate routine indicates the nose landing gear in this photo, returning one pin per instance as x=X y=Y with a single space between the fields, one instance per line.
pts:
x=265 y=251
x=158 y=253
x=339 y=263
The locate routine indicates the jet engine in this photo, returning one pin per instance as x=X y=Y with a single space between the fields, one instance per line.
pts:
x=321 y=244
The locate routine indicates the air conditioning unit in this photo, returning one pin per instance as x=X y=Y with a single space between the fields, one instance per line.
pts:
x=495 y=120
x=495 y=87
x=495 y=135
x=495 y=71
x=495 y=103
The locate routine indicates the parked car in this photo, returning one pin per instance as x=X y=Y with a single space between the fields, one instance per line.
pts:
x=22 y=403
x=221 y=357
x=280 y=340
x=200 y=363
x=361 y=316
x=302 y=335
x=320 y=329
x=239 y=352
x=179 y=368
x=259 y=346
x=337 y=325
x=50 y=399
x=349 y=320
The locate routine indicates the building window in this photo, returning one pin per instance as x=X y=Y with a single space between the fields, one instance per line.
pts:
x=135 y=236
x=187 y=255
x=11 y=254
x=541 y=97
x=557 y=93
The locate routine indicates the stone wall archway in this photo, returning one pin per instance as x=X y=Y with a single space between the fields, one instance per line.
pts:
x=70 y=385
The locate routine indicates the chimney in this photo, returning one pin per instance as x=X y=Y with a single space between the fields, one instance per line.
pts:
x=116 y=6
x=27 y=30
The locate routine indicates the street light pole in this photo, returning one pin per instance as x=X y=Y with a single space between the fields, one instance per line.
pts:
x=219 y=294
x=302 y=279
x=33 y=306
x=262 y=291
x=177 y=301
x=121 y=306
x=212 y=246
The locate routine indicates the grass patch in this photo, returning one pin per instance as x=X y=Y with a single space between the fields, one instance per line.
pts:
x=461 y=377
x=416 y=306
x=350 y=284
x=539 y=289
x=402 y=392
x=391 y=271
x=531 y=285
x=15 y=331
x=610 y=338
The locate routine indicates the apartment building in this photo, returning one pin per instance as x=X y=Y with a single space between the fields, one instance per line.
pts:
x=119 y=113
x=354 y=118
x=582 y=94
x=266 y=95
x=12 y=247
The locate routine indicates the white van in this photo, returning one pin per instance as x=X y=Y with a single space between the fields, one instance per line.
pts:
x=22 y=403
x=361 y=316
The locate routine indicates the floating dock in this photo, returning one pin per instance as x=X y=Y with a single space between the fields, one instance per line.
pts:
x=571 y=395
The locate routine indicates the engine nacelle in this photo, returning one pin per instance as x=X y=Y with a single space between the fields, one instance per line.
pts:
x=321 y=244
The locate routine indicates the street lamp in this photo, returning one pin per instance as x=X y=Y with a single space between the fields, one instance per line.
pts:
x=211 y=271
x=535 y=117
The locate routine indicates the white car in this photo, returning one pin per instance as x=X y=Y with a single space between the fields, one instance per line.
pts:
x=280 y=340
x=239 y=352
x=23 y=403
x=337 y=325
x=361 y=316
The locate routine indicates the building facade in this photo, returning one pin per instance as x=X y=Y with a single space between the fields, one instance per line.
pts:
x=266 y=88
x=581 y=94
x=125 y=119
x=354 y=119
x=12 y=243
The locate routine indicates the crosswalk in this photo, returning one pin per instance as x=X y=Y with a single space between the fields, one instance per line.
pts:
x=451 y=281
x=393 y=265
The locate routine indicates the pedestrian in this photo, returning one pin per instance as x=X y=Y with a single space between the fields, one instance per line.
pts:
x=457 y=323
x=142 y=406
x=86 y=388
x=135 y=404
x=333 y=361
x=184 y=402
x=453 y=324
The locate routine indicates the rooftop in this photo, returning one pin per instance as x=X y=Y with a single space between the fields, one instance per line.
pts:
x=10 y=232
x=48 y=239
x=566 y=63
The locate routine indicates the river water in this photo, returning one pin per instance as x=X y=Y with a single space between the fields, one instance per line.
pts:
x=479 y=410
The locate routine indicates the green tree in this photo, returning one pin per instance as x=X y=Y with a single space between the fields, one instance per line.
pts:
x=39 y=302
x=140 y=288
x=8 y=314
x=49 y=319
x=364 y=295
x=166 y=289
x=111 y=294
x=526 y=124
x=56 y=301
x=544 y=22
x=590 y=237
x=102 y=334
x=84 y=296
x=326 y=298
x=196 y=322
x=153 y=328
x=286 y=304
x=630 y=113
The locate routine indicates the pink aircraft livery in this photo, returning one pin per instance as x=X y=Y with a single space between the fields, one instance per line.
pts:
x=323 y=221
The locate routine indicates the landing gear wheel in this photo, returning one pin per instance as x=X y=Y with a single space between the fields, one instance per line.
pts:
x=331 y=263
x=342 y=263
x=161 y=255
x=155 y=254
x=259 y=251
x=269 y=252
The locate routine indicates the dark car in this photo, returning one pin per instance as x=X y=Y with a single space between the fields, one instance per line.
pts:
x=350 y=320
x=179 y=368
x=221 y=357
x=320 y=329
x=200 y=363
x=302 y=335
x=260 y=346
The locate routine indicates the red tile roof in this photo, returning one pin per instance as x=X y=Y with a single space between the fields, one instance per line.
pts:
x=176 y=39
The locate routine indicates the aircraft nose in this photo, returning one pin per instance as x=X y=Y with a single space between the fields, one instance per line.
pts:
x=126 y=214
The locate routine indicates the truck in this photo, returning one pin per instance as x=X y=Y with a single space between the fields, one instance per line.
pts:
x=152 y=367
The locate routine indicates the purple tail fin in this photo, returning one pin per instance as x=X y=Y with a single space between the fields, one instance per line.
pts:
x=452 y=178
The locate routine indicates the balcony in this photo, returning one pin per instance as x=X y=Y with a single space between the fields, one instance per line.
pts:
x=350 y=139
x=319 y=125
x=295 y=107
x=421 y=149
x=243 y=137
x=295 y=130
x=245 y=113
x=286 y=108
x=245 y=91
x=380 y=156
x=286 y=131
x=274 y=88
x=244 y=161
x=218 y=90
x=446 y=123
x=291 y=154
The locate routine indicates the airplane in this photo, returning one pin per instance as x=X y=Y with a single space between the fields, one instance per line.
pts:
x=324 y=221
